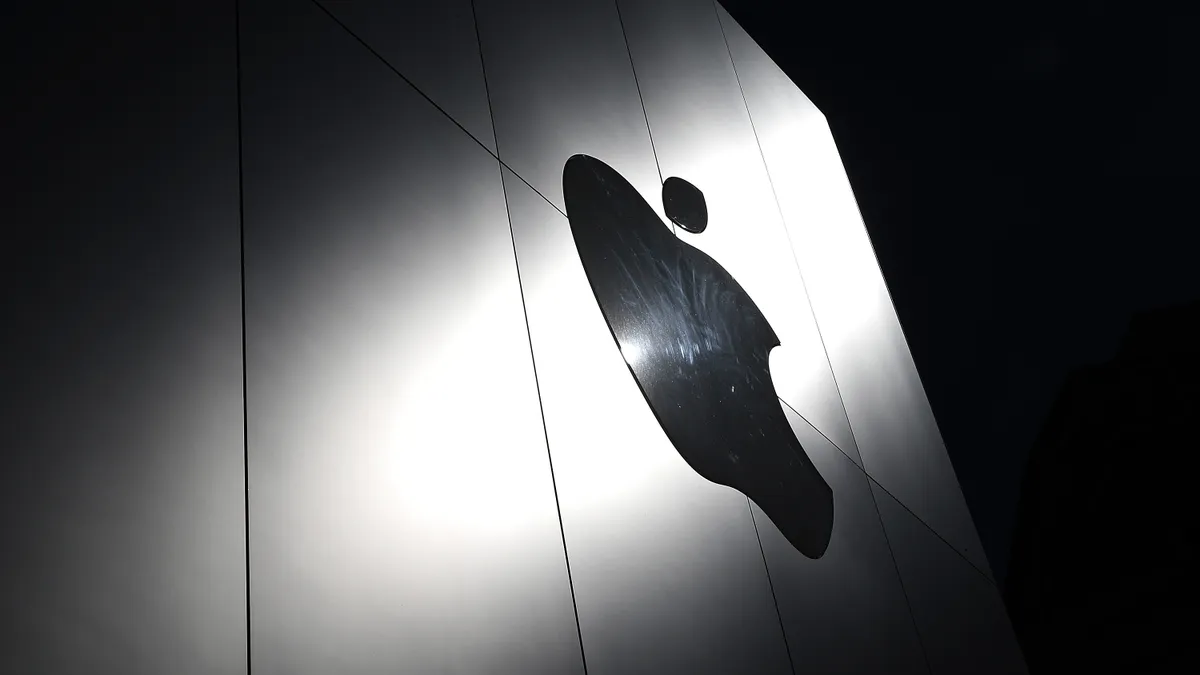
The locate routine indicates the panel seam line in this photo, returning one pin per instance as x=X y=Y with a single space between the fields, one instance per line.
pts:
x=771 y=585
x=439 y=108
x=237 y=38
x=645 y=115
x=783 y=221
x=532 y=356
x=889 y=493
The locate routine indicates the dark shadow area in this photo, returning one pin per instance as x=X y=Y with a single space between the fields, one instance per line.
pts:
x=1102 y=574
x=698 y=347
x=1024 y=170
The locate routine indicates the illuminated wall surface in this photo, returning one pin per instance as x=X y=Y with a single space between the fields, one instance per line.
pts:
x=449 y=463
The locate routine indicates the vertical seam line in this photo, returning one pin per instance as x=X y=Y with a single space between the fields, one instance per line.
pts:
x=642 y=101
x=783 y=221
x=532 y=356
x=237 y=36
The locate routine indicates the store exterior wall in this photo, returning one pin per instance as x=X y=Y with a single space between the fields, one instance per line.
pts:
x=441 y=460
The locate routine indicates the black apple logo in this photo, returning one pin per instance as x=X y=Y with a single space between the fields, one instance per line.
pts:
x=697 y=346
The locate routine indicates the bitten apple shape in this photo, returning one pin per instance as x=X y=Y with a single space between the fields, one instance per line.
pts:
x=697 y=346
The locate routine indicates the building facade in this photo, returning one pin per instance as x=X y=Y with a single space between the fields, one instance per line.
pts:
x=329 y=388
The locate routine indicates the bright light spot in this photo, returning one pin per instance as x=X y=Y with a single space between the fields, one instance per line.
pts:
x=632 y=353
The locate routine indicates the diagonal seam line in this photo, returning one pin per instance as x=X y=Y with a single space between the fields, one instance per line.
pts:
x=822 y=433
x=889 y=493
x=757 y=535
x=237 y=50
x=891 y=553
x=939 y=536
x=560 y=211
x=504 y=165
x=891 y=301
x=896 y=565
x=439 y=108
x=399 y=74
x=532 y=356
x=814 y=428
x=770 y=584
x=774 y=193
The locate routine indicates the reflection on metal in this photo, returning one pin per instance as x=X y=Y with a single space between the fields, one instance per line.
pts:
x=684 y=204
x=702 y=132
x=698 y=347
x=667 y=571
x=894 y=426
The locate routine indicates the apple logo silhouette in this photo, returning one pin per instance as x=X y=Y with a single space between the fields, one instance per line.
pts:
x=697 y=346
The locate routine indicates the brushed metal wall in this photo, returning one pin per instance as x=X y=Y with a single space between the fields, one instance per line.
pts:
x=893 y=424
x=402 y=510
x=121 y=470
x=445 y=465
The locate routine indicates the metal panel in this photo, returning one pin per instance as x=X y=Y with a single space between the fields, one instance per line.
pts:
x=959 y=614
x=561 y=84
x=667 y=570
x=893 y=424
x=434 y=45
x=703 y=135
x=845 y=612
x=121 y=473
x=402 y=508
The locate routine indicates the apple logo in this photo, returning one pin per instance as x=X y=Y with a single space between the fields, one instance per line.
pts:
x=697 y=346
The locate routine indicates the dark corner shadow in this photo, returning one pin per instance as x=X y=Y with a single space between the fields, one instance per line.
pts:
x=1103 y=549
